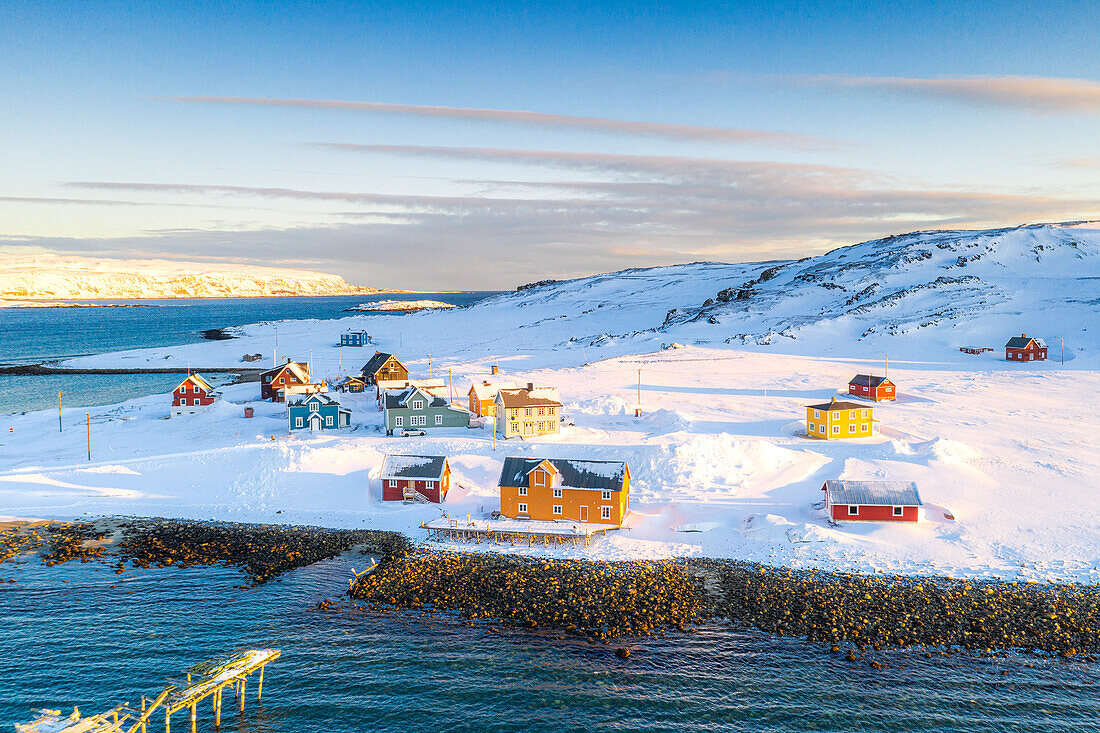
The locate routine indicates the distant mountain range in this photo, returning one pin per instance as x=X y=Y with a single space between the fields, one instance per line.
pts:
x=48 y=278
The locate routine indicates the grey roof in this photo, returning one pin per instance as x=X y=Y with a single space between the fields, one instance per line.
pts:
x=397 y=399
x=873 y=493
x=840 y=405
x=375 y=363
x=324 y=399
x=1019 y=342
x=422 y=467
x=867 y=380
x=602 y=475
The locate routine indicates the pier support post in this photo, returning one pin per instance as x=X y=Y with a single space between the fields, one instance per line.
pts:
x=194 y=718
x=260 y=686
x=218 y=707
x=242 y=696
x=167 y=722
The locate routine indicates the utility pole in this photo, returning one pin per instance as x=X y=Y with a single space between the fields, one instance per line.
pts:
x=1062 y=341
x=887 y=356
x=88 y=415
x=429 y=366
x=59 y=412
x=275 y=356
x=451 y=379
x=638 y=409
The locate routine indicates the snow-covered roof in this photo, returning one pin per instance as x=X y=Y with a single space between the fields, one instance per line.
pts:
x=421 y=467
x=375 y=363
x=868 y=380
x=486 y=389
x=298 y=369
x=836 y=404
x=197 y=379
x=575 y=474
x=873 y=493
x=396 y=398
x=321 y=397
x=523 y=397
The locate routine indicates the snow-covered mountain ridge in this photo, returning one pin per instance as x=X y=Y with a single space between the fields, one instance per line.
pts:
x=950 y=287
x=77 y=278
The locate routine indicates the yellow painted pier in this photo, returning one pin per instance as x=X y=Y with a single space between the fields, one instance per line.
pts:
x=204 y=681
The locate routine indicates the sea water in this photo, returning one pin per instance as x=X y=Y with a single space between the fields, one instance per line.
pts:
x=35 y=335
x=78 y=634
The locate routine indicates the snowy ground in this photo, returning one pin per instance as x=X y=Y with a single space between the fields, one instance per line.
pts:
x=1009 y=449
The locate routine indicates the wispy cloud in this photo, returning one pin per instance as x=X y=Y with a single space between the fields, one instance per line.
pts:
x=1038 y=94
x=665 y=130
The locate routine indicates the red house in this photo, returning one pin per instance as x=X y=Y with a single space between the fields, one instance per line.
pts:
x=274 y=382
x=1025 y=348
x=192 y=395
x=873 y=388
x=415 y=478
x=873 y=501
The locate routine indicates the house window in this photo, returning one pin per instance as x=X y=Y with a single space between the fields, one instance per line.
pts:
x=313 y=406
x=438 y=419
x=851 y=429
x=864 y=428
x=297 y=422
x=429 y=484
x=863 y=413
x=542 y=410
x=418 y=404
x=557 y=493
x=328 y=420
x=557 y=510
x=515 y=427
x=552 y=411
x=398 y=421
x=851 y=414
x=527 y=412
x=836 y=430
x=853 y=510
x=423 y=420
x=606 y=496
x=282 y=381
x=522 y=508
x=605 y=512
x=540 y=478
x=267 y=379
x=523 y=491
x=898 y=511
x=542 y=426
x=817 y=414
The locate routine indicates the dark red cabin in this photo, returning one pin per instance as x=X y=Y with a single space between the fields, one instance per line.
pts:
x=415 y=478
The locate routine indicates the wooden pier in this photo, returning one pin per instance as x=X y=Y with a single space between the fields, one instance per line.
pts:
x=514 y=532
x=207 y=680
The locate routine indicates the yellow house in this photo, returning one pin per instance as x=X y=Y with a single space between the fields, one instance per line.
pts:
x=553 y=489
x=839 y=419
x=483 y=396
x=528 y=412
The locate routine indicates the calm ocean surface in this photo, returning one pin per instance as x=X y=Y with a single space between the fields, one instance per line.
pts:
x=68 y=638
x=35 y=335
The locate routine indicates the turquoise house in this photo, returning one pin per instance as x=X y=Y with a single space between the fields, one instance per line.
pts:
x=317 y=412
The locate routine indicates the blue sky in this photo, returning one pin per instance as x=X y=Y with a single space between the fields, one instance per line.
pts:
x=436 y=145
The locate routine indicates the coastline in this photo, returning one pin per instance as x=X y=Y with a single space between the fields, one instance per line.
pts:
x=604 y=600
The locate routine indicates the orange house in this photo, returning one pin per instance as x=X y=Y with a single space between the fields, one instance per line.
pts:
x=483 y=396
x=555 y=489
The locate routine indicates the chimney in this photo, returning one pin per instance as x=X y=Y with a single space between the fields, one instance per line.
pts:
x=496 y=369
x=530 y=386
x=1023 y=335
x=833 y=401
x=288 y=360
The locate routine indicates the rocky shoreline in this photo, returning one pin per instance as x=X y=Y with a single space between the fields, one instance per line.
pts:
x=604 y=601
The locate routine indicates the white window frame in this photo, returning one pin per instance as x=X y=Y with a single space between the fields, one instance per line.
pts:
x=899 y=511
x=851 y=429
x=853 y=510
x=429 y=484
x=557 y=493
x=540 y=478
x=864 y=428
x=298 y=422
x=314 y=406
x=863 y=414
x=523 y=491
x=817 y=414
x=605 y=512
x=851 y=414
x=438 y=419
x=522 y=508
x=398 y=421
x=328 y=421
x=557 y=510
x=836 y=430
x=418 y=404
x=606 y=496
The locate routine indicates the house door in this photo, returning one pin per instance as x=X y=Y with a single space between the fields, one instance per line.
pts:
x=315 y=422
x=584 y=513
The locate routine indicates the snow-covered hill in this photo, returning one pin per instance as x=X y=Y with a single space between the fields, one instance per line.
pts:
x=936 y=290
x=77 y=278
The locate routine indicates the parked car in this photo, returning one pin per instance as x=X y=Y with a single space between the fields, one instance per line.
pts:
x=410 y=432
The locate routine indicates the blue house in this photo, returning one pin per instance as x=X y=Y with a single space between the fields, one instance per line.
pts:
x=316 y=412
x=354 y=338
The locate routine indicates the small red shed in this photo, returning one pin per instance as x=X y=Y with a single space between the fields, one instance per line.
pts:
x=872 y=387
x=249 y=412
x=415 y=478
x=873 y=501
x=1025 y=348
